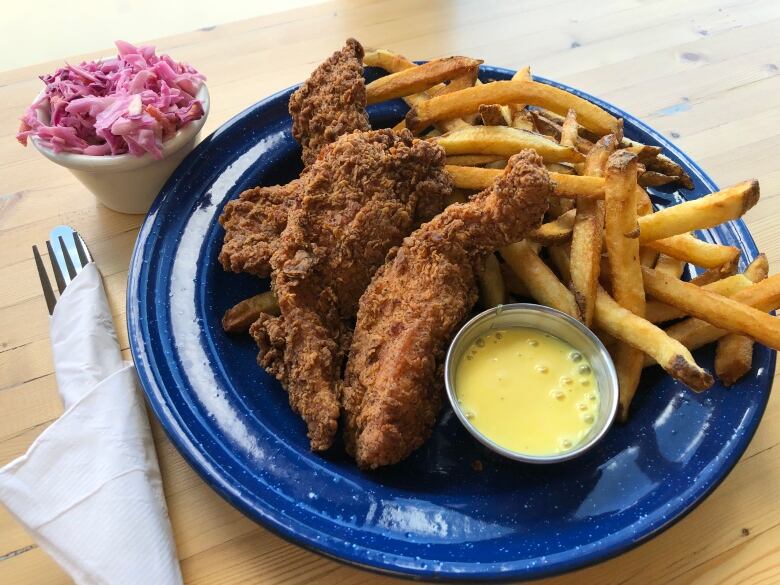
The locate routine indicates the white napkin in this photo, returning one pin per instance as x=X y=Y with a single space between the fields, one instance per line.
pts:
x=89 y=488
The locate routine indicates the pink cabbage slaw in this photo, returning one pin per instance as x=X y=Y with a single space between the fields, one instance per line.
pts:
x=129 y=103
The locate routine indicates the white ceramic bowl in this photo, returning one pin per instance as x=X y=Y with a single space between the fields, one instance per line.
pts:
x=125 y=182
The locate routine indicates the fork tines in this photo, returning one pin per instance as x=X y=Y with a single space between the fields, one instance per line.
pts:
x=64 y=269
x=48 y=293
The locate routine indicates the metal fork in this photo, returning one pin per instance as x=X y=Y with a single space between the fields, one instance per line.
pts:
x=68 y=256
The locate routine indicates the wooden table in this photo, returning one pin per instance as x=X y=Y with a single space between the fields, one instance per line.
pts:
x=704 y=73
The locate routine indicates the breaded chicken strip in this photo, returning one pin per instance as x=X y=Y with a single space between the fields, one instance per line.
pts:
x=252 y=225
x=332 y=102
x=393 y=382
x=359 y=199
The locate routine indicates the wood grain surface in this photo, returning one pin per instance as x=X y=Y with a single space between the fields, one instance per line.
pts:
x=705 y=73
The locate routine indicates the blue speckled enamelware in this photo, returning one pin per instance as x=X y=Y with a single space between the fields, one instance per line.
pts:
x=434 y=515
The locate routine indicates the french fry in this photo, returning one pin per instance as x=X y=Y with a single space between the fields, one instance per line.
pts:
x=705 y=212
x=587 y=234
x=758 y=269
x=412 y=80
x=519 y=112
x=733 y=358
x=537 y=277
x=467 y=101
x=620 y=222
x=672 y=266
x=473 y=160
x=557 y=206
x=386 y=60
x=559 y=255
x=620 y=225
x=554 y=232
x=694 y=251
x=568 y=138
x=654 y=179
x=647 y=257
x=615 y=322
x=569 y=133
x=395 y=63
x=560 y=168
x=523 y=74
x=468 y=79
x=492 y=290
x=665 y=166
x=720 y=311
x=660 y=312
x=504 y=141
x=629 y=328
x=514 y=285
x=238 y=318
x=734 y=353
x=609 y=340
x=643 y=204
x=694 y=333
x=643 y=152
x=569 y=186
x=714 y=274
x=572 y=186
x=473 y=178
x=586 y=134
x=545 y=126
x=522 y=120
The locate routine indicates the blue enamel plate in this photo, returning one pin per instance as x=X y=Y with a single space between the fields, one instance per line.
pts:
x=453 y=510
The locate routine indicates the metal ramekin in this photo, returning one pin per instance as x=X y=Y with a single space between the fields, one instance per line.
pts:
x=555 y=323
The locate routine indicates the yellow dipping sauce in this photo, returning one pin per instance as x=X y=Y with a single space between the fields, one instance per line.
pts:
x=527 y=390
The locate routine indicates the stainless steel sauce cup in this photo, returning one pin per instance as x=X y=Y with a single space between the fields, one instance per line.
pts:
x=561 y=326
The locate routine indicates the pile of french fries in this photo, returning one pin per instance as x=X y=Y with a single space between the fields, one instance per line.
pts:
x=603 y=255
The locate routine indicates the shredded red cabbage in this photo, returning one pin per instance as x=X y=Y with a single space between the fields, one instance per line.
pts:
x=131 y=103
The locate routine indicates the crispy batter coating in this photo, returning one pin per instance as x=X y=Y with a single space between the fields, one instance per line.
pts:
x=359 y=199
x=392 y=388
x=330 y=103
x=252 y=225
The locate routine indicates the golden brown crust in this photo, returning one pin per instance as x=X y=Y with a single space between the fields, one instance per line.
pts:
x=331 y=103
x=733 y=358
x=252 y=225
x=361 y=197
x=621 y=160
x=696 y=378
x=269 y=334
x=391 y=392
x=752 y=197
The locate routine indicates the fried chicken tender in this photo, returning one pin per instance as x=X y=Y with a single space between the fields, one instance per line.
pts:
x=332 y=102
x=392 y=387
x=253 y=223
x=361 y=197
